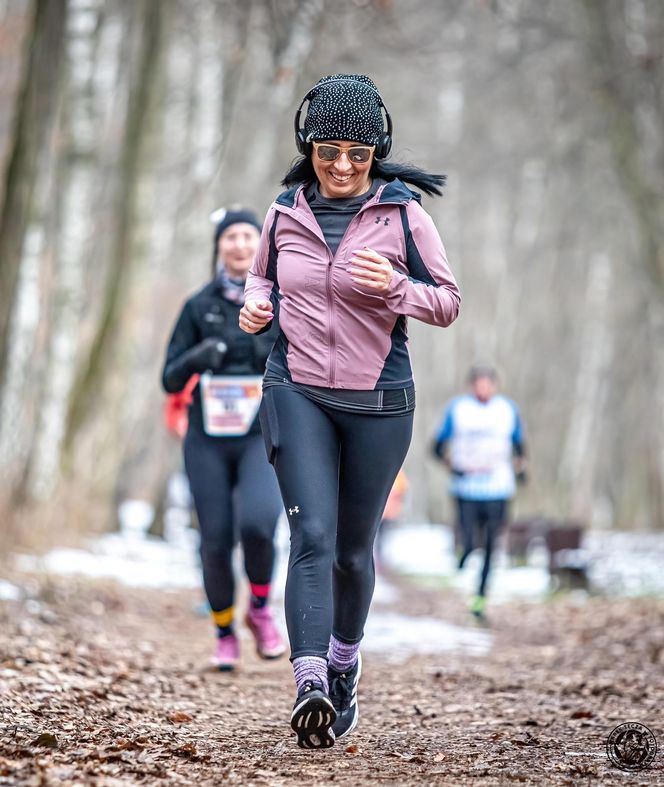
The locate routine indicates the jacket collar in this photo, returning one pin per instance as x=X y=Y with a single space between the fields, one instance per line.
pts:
x=396 y=192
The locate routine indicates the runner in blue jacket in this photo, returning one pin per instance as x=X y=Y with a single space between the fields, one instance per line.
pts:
x=481 y=440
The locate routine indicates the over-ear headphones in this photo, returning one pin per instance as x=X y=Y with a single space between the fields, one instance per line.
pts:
x=384 y=144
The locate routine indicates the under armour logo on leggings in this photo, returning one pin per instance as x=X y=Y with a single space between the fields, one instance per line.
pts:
x=295 y=510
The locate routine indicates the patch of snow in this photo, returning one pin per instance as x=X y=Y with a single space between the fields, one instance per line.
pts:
x=618 y=563
x=9 y=592
x=400 y=636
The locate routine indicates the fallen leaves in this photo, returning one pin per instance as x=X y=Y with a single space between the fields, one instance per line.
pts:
x=179 y=717
x=582 y=714
x=47 y=740
x=126 y=700
x=186 y=750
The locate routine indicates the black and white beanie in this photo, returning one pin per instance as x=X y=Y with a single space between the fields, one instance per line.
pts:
x=344 y=106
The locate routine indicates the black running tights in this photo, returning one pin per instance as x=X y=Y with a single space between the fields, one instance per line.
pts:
x=335 y=471
x=236 y=496
x=487 y=516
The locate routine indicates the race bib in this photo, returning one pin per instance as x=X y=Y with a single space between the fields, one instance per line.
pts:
x=230 y=403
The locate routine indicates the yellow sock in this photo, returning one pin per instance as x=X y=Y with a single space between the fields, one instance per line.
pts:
x=223 y=618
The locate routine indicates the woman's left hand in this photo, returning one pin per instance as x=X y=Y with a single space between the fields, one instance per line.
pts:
x=371 y=270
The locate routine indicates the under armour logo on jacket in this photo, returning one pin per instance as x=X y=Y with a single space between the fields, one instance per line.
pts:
x=295 y=510
x=379 y=219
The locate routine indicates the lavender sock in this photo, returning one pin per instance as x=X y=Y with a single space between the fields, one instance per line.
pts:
x=310 y=668
x=342 y=656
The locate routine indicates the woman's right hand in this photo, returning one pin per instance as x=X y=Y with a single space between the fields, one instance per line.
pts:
x=255 y=315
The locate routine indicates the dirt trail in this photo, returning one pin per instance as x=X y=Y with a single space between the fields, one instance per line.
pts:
x=105 y=686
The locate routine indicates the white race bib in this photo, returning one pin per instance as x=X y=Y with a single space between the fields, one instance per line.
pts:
x=230 y=403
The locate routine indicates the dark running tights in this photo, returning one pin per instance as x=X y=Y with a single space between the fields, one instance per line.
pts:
x=236 y=496
x=484 y=516
x=335 y=470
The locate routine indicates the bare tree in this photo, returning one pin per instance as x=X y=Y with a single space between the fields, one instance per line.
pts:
x=147 y=16
x=33 y=118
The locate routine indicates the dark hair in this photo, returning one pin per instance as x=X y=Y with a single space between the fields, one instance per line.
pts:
x=480 y=371
x=302 y=171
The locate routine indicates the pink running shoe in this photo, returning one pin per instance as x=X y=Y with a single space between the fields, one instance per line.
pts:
x=227 y=654
x=269 y=643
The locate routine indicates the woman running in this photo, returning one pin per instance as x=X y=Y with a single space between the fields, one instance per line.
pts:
x=348 y=253
x=234 y=488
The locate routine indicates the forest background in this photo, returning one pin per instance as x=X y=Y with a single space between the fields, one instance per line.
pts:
x=125 y=123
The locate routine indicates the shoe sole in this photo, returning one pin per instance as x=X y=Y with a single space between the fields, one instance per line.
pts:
x=356 y=716
x=224 y=666
x=312 y=721
x=480 y=619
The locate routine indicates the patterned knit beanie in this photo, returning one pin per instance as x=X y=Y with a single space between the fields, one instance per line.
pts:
x=345 y=106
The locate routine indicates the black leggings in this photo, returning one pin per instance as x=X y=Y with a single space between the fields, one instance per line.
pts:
x=236 y=495
x=335 y=470
x=487 y=515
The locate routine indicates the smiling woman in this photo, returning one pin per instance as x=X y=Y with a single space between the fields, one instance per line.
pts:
x=236 y=248
x=223 y=451
x=342 y=170
x=346 y=255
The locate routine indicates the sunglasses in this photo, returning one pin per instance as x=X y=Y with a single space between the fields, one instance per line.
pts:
x=357 y=154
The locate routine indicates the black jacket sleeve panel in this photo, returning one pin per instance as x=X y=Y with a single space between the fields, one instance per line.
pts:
x=271 y=273
x=274 y=300
x=179 y=364
x=438 y=448
x=264 y=340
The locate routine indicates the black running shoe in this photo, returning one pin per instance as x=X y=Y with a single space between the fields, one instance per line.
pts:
x=343 y=693
x=313 y=716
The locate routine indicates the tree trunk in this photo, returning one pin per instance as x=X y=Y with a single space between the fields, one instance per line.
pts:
x=74 y=193
x=98 y=363
x=621 y=106
x=33 y=120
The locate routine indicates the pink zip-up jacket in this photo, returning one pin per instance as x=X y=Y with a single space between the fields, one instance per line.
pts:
x=333 y=332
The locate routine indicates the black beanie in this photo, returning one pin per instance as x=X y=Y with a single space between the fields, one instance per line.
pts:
x=240 y=216
x=344 y=106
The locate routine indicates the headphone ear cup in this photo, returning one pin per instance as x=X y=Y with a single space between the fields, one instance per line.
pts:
x=303 y=147
x=383 y=146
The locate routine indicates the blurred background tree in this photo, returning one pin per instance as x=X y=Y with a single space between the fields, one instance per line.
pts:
x=124 y=123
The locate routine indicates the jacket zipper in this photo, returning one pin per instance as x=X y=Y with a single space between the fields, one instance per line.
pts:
x=328 y=287
x=330 y=316
x=330 y=302
x=332 y=378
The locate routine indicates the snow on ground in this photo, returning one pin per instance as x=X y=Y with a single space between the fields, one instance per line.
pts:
x=618 y=563
x=9 y=592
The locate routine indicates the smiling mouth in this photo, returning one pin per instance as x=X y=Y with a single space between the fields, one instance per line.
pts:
x=340 y=178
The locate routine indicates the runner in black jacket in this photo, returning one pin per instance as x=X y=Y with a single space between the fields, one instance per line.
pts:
x=234 y=488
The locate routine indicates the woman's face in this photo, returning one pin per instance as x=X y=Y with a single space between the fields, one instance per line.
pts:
x=343 y=177
x=236 y=249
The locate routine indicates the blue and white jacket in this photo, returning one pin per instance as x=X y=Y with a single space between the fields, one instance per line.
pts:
x=481 y=438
